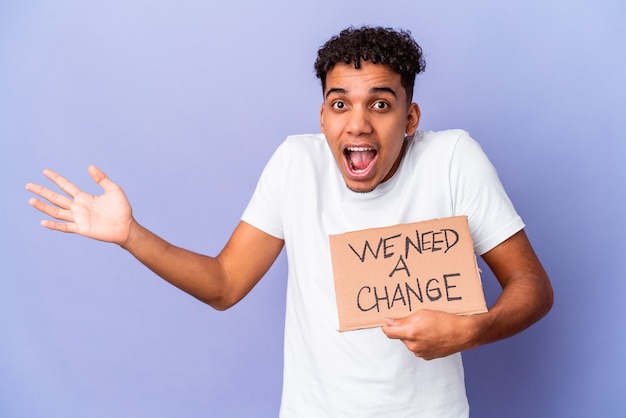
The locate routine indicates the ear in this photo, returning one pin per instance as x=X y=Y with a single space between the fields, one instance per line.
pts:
x=413 y=118
x=322 y=118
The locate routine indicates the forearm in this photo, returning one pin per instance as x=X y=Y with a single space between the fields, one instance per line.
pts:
x=219 y=281
x=525 y=300
x=201 y=276
x=526 y=291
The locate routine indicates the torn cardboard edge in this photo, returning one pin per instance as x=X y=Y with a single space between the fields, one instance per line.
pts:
x=391 y=272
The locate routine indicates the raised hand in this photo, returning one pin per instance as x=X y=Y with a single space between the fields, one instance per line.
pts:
x=107 y=217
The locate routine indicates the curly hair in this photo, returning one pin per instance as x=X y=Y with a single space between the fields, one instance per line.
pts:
x=394 y=48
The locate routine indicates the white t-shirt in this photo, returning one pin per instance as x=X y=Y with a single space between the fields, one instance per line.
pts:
x=302 y=198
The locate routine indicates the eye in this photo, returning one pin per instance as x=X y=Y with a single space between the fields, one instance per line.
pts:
x=380 y=105
x=339 y=105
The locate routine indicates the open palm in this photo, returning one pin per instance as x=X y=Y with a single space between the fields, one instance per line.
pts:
x=106 y=217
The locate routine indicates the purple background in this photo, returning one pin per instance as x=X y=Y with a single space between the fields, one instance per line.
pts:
x=183 y=102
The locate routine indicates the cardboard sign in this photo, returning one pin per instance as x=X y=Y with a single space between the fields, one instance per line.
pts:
x=392 y=272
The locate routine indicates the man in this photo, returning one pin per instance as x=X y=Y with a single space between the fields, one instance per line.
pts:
x=369 y=167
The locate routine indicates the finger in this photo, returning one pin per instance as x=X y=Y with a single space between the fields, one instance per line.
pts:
x=55 y=212
x=52 y=197
x=101 y=178
x=65 y=185
x=60 y=226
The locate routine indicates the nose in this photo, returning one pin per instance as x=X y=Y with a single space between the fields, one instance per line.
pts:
x=358 y=122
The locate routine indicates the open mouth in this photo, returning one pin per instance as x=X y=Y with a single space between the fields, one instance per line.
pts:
x=359 y=159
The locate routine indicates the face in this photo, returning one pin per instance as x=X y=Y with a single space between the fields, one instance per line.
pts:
x=365 y=116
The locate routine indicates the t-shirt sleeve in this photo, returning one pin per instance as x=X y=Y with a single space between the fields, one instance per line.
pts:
x=264 y=208
x=479 y=194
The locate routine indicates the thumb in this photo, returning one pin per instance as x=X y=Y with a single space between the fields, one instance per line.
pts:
x=392 y=322
x=392 y=328
x=101 y=178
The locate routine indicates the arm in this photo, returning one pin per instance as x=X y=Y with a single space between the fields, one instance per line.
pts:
x=218 y=281
x=526 y=297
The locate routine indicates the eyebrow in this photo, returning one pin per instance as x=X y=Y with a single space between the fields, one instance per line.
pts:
x=373 y=90
x=336 y=90
x=383 y=90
